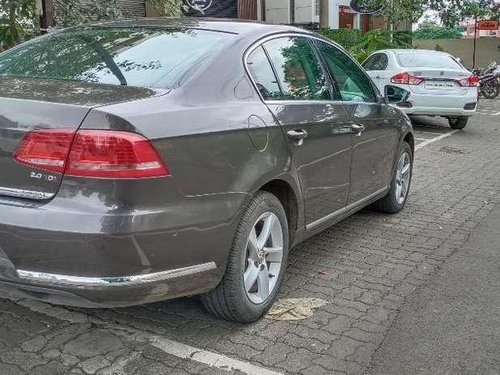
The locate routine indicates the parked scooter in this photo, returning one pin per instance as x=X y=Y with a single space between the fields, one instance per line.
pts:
x=489 y=81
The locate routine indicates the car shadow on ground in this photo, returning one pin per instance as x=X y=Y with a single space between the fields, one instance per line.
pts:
x=433 y=124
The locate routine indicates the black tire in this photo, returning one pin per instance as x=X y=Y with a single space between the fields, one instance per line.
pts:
x=458 y=122
x=491 y=91
x=229 y=300
x=389 y=204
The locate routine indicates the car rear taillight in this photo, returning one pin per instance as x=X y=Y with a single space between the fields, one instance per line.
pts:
x=45 y=149
x=91 y=153
x=406 y=79
x=471 y=81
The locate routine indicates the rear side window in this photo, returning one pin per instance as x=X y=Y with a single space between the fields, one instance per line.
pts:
x=263 y=75
x=299 y=71
x=370 y=62
x=145 y=57
x=427 y=60
x=378 y=61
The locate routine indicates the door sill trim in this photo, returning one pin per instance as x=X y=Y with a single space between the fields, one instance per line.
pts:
x=346 y=209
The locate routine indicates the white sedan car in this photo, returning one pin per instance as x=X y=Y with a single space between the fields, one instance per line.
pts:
x=438 y=83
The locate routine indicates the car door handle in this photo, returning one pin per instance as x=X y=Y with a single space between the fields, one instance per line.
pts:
x=297 y=135
x=357 y=129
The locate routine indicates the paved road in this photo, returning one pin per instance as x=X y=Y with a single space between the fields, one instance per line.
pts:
x=365 y=268
x=452 y=324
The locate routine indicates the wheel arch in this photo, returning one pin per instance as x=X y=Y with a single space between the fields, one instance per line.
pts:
x=410 y=139
x=289 y=198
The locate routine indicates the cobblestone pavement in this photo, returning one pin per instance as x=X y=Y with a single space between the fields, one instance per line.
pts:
x=365 y=267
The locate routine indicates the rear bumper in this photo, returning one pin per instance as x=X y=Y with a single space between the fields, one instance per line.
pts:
x=67 y=252
x=107 y=292
x=438 y=111
x=442 y=105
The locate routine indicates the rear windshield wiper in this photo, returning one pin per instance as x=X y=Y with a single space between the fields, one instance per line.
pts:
x=107 y=58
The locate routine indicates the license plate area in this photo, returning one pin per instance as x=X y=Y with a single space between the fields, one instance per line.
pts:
x=439 y=85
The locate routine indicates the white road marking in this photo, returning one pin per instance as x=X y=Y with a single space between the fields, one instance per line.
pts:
x=209 y=358
x=424 y=132
x=168 y=346
x=435 y=139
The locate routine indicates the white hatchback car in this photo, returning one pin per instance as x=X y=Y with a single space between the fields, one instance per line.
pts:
x=438 y=83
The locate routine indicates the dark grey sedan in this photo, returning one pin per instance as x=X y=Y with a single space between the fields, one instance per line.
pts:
x=151 y=159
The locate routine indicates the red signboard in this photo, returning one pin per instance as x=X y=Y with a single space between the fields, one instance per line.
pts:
x=487 y=25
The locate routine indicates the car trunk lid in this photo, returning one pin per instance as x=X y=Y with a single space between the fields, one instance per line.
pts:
x=439 y=81
x=28 y=104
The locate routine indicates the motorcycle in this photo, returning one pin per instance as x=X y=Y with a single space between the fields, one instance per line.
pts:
x=489 y=81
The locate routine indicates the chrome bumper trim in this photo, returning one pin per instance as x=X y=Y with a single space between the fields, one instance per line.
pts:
x=22 y=193
x=82 y=281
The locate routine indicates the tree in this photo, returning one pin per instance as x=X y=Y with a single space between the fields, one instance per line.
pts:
x=171 y=8
x=17 y=20
x=397 y=11
x=75 y=12
x=375 y=40
x=452 y=12
x=431 y=30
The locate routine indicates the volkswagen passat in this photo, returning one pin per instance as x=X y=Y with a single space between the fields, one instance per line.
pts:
x=152 y=159
x=439 y=84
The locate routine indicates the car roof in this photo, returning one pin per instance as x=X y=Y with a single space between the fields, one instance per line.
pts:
x=239 y=27
x=398 y=51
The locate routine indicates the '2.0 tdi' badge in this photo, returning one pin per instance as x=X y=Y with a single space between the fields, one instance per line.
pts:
x=43 y=176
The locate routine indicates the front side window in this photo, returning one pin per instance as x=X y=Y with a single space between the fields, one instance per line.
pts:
x=132 y=56
x=352 y=82
x=299 y=71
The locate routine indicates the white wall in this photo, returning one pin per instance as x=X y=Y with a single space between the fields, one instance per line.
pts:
x=278 y=11
x=305 y=11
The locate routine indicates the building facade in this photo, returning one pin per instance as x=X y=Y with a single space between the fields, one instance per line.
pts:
x=470 y=32
x=332 y=14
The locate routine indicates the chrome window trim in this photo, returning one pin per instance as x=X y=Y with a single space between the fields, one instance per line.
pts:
x=260 y=42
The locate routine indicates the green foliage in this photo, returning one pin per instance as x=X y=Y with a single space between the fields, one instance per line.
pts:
x=347 y=38
x=76 y=12
x=16 y=21
x=398 y=11
x=439 y=47
x=378 y=39
x=431 y=30
x=452 y=12
x=170 y=8
x=362 y=45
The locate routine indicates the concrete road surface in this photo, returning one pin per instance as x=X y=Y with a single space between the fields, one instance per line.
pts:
x=451 y=325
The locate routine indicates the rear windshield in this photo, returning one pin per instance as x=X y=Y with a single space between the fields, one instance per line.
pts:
x=141 y=57
x=427 y=60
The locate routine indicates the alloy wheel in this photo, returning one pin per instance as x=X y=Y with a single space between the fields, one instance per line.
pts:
x=403 y=175
x=264 y=256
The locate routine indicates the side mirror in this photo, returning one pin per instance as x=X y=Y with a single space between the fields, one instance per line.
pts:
x=395 y=94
